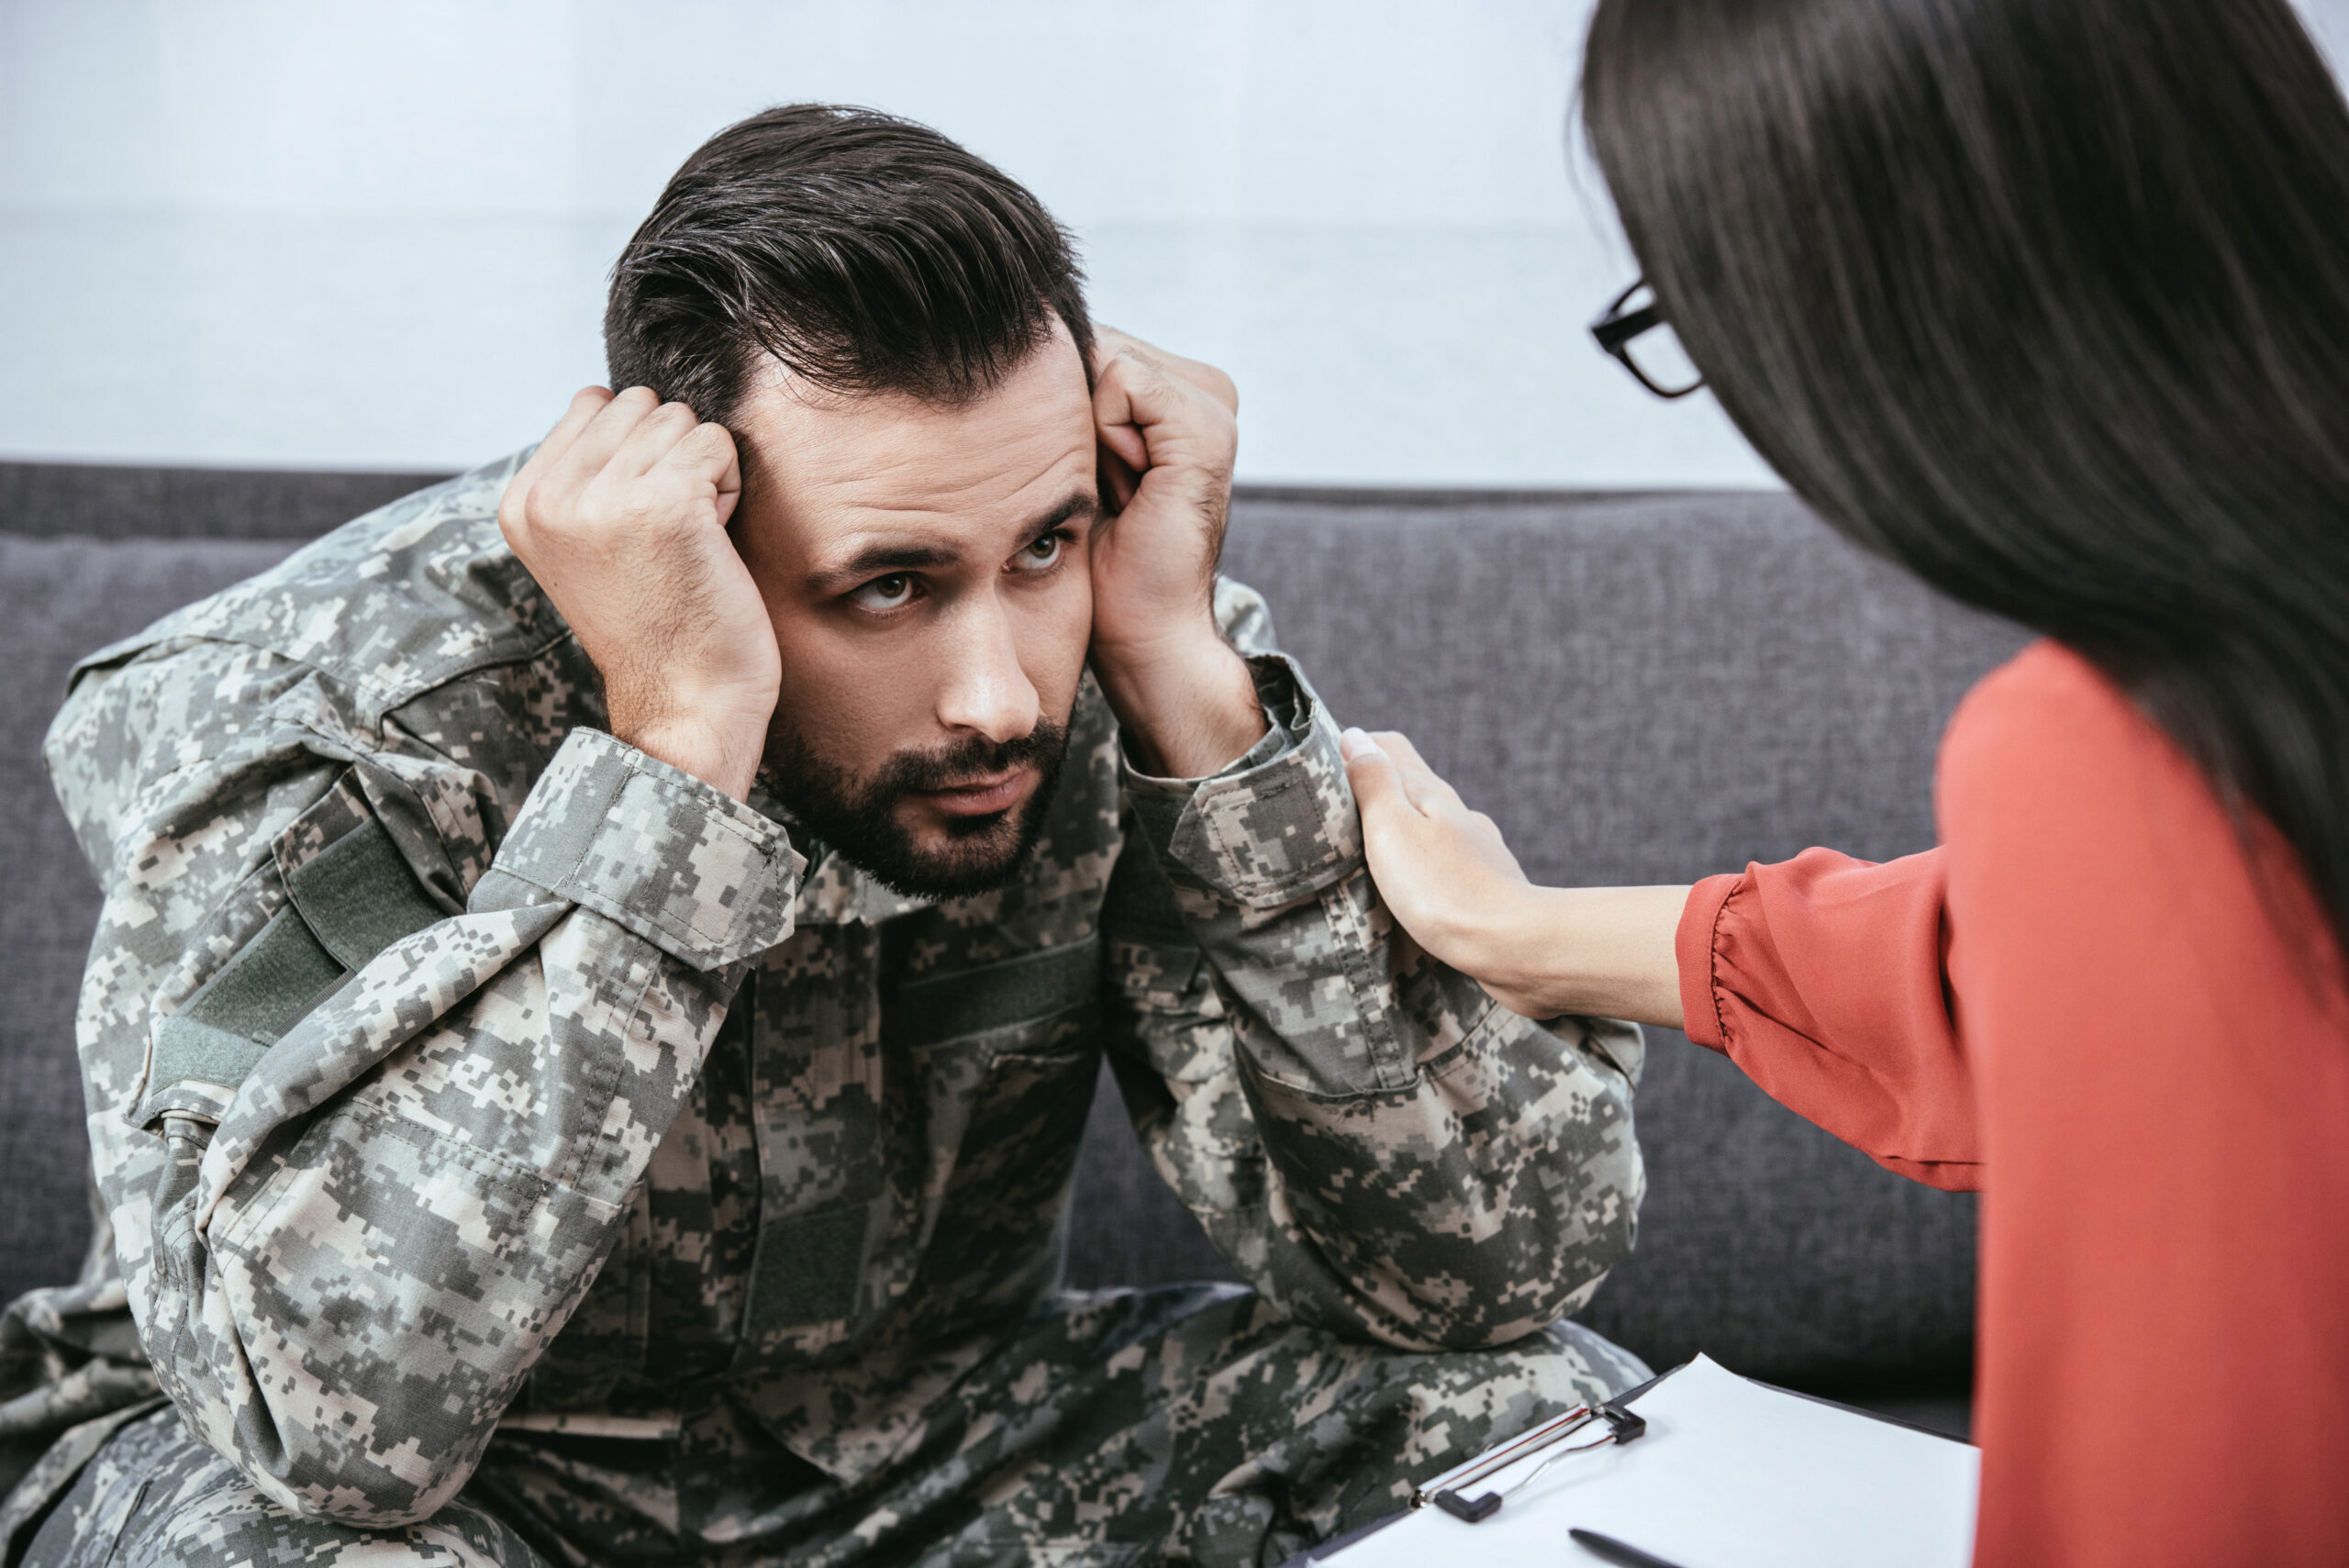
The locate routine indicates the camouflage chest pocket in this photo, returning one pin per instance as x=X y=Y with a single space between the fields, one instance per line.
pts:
x=1006 y=1057
x=988 y=1060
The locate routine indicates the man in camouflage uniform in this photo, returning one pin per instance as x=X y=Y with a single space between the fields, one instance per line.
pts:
x=593 y=1018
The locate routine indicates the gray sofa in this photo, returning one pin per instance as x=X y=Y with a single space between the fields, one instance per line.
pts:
x=1639 y=687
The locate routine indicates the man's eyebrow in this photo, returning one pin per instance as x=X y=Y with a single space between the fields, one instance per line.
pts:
x=876 y=558
x=1075 y=505
x=882 y=557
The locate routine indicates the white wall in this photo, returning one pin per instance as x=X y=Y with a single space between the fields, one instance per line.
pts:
x=370 y=234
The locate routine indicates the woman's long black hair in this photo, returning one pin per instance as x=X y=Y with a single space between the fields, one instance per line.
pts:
x=2048 y=302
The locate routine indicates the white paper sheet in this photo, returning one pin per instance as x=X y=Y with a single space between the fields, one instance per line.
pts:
x=1730 y=1475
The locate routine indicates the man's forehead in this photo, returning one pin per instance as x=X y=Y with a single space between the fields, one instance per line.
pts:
x=837 y=473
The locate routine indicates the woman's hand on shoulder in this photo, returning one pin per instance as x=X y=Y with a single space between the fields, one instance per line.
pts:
x=1448 y=878
x=1445 y=871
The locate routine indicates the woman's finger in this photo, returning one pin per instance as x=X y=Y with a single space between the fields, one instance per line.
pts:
x=1426 y=786
x=1377 y=783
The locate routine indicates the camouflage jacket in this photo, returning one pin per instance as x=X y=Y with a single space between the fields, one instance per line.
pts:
x=452 y=1063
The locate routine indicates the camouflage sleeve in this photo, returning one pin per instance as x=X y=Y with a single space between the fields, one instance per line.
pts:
x=369 y=1082
x=1378 y=1145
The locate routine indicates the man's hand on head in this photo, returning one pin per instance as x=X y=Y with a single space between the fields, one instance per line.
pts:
x=1167 y=433
x=620 y=516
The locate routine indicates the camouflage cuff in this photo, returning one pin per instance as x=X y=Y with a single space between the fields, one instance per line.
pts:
x=687 y=867
x=1277 y=826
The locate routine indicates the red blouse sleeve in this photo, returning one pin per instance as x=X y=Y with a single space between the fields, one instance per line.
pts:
x=1823 y=978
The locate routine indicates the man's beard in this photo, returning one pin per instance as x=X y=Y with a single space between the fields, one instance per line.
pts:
x=857 y=818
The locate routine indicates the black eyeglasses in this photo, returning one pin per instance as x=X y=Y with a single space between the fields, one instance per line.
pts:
x=1627 y=330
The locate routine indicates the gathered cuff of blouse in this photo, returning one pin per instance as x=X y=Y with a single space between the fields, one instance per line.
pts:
x=1824 y=978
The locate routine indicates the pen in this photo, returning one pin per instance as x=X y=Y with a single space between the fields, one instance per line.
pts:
x=1616 y=1551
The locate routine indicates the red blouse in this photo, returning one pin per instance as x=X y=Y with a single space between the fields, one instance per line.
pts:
x=2088 y=1004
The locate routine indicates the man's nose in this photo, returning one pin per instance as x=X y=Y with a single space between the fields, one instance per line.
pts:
x=987 y=692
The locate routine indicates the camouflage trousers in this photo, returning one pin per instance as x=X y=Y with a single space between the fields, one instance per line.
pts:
x=1185 y=1424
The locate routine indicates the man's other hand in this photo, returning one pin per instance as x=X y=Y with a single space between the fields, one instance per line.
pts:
x=1167 y=433
x=620 y=516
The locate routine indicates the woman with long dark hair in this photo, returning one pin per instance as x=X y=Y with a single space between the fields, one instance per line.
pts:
x=2046 y=300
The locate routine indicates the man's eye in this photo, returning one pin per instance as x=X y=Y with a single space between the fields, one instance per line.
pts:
x=1040 y=554
x=884 y=592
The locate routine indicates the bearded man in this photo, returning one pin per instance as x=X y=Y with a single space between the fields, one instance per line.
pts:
x=606 y=962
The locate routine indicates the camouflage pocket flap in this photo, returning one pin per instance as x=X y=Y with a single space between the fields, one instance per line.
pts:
x=978 y=1001
x=809 y=1268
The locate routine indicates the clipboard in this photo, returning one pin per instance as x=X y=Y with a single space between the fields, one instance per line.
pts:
x=1728 y=1470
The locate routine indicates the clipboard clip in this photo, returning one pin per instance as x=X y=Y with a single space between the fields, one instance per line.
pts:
x=1622 y=1427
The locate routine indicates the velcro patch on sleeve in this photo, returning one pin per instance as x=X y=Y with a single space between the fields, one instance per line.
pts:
x=359 y=895
x=266 y=989
x=351 y=900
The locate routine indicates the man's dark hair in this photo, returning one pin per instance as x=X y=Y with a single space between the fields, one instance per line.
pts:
x=864 y=253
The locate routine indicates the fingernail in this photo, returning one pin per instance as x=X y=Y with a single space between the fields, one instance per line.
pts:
x=1354 y=743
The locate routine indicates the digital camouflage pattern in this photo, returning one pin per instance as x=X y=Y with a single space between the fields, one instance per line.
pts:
x=463 y=1082
x=1103 y=1430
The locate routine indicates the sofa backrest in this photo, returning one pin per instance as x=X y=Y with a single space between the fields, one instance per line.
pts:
x=1638 y=688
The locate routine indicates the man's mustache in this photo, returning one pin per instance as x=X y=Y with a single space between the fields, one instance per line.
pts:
x=911 y=771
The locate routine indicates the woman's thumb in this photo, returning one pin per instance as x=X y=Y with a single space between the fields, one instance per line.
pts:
x=1376 y=779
